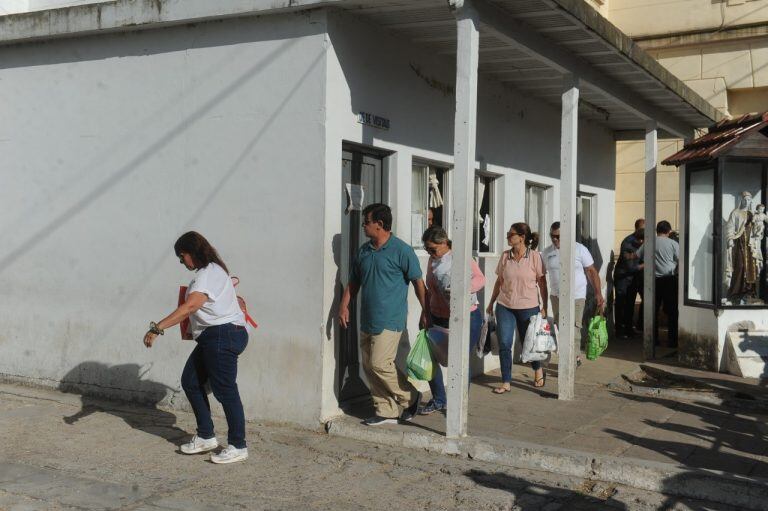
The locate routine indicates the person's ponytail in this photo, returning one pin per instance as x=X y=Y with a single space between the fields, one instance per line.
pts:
x=533 y=242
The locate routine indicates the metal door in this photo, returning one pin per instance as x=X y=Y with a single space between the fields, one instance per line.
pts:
x=365 y=170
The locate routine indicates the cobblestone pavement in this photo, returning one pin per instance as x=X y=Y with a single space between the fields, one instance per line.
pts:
x=63 y=452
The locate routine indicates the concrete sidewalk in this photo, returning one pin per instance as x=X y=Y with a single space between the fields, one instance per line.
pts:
x=657 y=424
x=610 y=416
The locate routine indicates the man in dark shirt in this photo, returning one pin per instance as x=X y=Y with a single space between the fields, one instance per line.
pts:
x=628 y=281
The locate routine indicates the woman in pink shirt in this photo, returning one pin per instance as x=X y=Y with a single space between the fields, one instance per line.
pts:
x=520 y=284
x=438 y=282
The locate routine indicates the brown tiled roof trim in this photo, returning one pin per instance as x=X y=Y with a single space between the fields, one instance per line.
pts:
x=721 y=136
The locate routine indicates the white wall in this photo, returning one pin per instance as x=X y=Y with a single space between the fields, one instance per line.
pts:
x=13 y=6
x=518 y=137
x=115 y=145
x=20 y=6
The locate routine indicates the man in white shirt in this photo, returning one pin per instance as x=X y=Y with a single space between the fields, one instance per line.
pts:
x=584 y=268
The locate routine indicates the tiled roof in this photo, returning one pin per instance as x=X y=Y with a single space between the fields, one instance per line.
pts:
x=721 y=137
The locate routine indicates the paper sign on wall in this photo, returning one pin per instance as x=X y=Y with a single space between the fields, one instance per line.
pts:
x=355 y=196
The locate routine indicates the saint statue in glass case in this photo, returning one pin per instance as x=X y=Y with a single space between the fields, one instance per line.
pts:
x=742 y=266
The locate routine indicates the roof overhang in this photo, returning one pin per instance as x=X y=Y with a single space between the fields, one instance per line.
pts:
x=531 y=46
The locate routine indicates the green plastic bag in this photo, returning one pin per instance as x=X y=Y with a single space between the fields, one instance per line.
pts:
x=598 y=337
x=420 y=362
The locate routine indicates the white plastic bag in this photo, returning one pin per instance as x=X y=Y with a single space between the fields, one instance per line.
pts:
x=539 y=341
x=546 y=339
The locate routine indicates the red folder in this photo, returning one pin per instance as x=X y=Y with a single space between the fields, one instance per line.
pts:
x=184 y=325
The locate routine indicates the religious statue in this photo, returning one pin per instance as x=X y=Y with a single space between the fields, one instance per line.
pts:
x=741 y=265
x=759 y=218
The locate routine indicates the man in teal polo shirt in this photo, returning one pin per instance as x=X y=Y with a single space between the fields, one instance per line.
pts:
x=382 y=270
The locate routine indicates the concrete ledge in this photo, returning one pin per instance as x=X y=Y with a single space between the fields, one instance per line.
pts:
x=667 y=478
x=133 y=15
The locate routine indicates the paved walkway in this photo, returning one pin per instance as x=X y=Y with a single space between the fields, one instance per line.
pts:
x=61 y=453
x=696 y=432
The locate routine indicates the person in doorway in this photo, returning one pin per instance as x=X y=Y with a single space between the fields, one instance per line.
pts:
x=218 y=326
x=628 y=281
x=437 y=244
x=520 y=284
x=584 y=267
x=666 y=256
x=382 y=270
x=430 y=217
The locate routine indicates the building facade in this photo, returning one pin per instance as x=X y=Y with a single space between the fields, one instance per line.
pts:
x=255 y=123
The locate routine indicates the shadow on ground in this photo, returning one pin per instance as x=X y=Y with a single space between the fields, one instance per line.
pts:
x=711 y=436
x=530 y=497
x=96 y=383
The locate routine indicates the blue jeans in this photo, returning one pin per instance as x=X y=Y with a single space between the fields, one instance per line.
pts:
x=214 y=361
x=506 y=321
x=436 y=384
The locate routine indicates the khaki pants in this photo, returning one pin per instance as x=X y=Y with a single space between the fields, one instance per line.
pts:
x=578 y=312
x=390 y=388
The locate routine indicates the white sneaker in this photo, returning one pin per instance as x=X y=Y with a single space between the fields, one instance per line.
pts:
x=230 y=455
x=199 y=445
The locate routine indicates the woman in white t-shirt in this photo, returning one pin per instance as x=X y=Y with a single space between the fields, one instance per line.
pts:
x=218 y=326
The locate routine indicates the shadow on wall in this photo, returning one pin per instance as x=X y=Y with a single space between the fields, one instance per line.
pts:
x=757 y=344
x=112 y=382
x=348 y=382
x=332 y=328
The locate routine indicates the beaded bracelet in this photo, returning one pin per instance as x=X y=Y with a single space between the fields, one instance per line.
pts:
x=155 y=329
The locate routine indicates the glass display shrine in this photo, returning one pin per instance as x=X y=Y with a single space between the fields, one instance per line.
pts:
x=726 y=174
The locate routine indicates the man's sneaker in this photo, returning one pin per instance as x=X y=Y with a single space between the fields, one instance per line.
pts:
x=198 y=445
x=431 y=407
x=379 y=421
x=410 y=412
x=230 y=455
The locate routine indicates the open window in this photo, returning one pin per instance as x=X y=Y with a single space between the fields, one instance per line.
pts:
x=484 y=215
x=428 y=192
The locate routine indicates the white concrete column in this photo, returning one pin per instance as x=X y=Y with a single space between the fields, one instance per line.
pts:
x=649 y=275
x=465 y=130
x=566 y=368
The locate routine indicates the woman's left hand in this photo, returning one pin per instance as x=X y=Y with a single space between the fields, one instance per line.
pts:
x=543 y=313
x=149 y=338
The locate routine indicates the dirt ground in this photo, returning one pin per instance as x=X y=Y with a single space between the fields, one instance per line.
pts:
x=64 y=452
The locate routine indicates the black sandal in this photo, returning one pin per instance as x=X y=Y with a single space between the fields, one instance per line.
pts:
x=543 y=381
